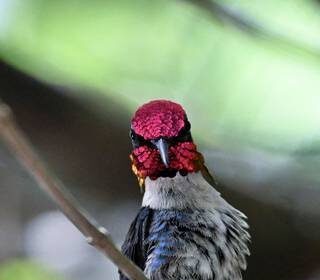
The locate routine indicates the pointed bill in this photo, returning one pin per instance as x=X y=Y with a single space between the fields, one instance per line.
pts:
x=163 y=147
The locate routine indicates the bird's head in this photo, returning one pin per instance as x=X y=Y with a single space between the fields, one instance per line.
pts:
x=162 y=142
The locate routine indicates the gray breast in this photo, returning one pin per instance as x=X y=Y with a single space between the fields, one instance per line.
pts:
x=196 y=244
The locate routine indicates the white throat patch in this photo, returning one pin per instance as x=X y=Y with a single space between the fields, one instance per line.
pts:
x=223 y=231
x=190 y=191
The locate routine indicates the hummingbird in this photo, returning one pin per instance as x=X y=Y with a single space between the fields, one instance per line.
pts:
x=184 y=229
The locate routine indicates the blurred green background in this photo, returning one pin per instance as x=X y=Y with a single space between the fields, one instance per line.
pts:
x=247 y=73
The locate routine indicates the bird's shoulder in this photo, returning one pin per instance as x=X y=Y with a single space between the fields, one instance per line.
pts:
x=134 y=244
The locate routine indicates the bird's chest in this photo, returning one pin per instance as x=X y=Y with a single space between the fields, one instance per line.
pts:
x=188 y=244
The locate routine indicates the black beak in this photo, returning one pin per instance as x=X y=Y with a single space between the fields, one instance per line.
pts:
x=163 y=148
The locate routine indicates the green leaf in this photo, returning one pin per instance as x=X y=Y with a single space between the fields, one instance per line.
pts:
x=25 y=270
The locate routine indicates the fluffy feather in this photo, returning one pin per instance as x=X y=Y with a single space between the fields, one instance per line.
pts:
x=186 y=230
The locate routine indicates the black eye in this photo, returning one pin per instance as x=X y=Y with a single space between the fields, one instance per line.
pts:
x=137 y=140
x=184 y=134
x=134 y=139
x=187 y=125
x=185 y=137
x=131 y=134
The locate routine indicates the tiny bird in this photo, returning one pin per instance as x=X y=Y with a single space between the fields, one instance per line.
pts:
x=184 y=230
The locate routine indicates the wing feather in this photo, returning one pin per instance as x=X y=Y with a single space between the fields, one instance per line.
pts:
x=134 y=246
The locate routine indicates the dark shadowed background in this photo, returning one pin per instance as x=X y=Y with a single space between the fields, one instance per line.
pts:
x=248 y=74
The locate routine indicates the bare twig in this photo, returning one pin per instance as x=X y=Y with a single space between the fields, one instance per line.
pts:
x=96 y=236
x=223 y=13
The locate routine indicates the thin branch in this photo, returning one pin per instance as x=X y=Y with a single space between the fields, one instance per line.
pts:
x=96 y=236
x=225 y=14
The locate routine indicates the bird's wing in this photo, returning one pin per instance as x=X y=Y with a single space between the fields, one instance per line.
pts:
x=207 y=176
x=134 y=246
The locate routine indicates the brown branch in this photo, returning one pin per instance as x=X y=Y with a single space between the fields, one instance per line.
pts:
x=96 y=236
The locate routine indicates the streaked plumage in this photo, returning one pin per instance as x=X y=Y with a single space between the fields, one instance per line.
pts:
x=185 y=230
